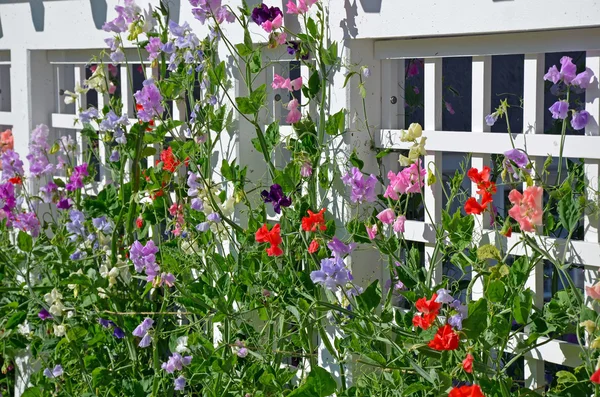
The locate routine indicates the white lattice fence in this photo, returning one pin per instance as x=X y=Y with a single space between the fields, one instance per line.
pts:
x=480 y=143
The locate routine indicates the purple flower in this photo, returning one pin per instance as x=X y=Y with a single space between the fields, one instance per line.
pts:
x=263 y=13
x=518 y=157
x=306 y=169
x=192 y=182
x=28 y=222
x=553 y=74
x=583 y=79
x=105 y=323
x=38 y=148
x=223 y=14
x=176 y=363
x=44 y=315
x=214 y=217
x=149 y=98
x=275 y=195
x=8 y=201
x=64 y=204
x=120 y=137
x=87 y=115
x=333 y=274
x=363 y=187
x=12 y=165
x=76 y=226
x=141 y=331
x=77 y=255
x=167 y=278
x=444 y=296
x=568 y=70
x=153 y=47
x=111 y=122
x=340 y=249
x=125 y=15
x=76 y=178
x=114 y=156
x=54 y=373
x=580 y=120
x=463 y=310
x=197 y=204
x=242 y=352
x=293 y=48
x=47 y=191
x=203 y=227
x=103 y=225
x=456 y=321
x=491 y=119
x=118 y=333
x=180 y=383
x=144 y=259
x=449 y=108
x=559 y=110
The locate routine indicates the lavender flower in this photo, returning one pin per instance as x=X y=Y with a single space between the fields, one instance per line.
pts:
x=580 y=120
x=559 y=110
x=444 y=296
x=176 y=363
x=153 y=47
x=333 y=274
x=38 y=148
x=339 y=249
x=47 y=191
x=275 y=195
x=87 y=115
x=203 y=227
x=456 y=321
x=141 y=331
x=76 y=227
x=242 y=352
x=197 y=204
x=28 y=222
x=112 y=121
x=491 y=119
x=214 y=217
x=103 y=225
x=146 y=340
x=180 y=383
x=583 y=79
x=363 y=188
x=54 y=373
x=8 y=201
x=12 y=165
x=144 y=259
x=149 y=98
x=114 y=156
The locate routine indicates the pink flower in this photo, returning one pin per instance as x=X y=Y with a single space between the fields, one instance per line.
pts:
x=280 y=82
x=281 y=38
x=593 y=291
x=306 y=169
x=399 y=224
x=449 y=108
x=296 y=84
x=111 y=88
x=527 y=207
x=409 y=180
x=372 y=231
x=301 y=7
x=387 y=216
x=269 y=26
x=294 y=114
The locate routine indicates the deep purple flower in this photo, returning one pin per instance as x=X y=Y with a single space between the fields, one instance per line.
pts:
x=339 y=249
x=580 y=120
x=180 y=383
x=8 y=201
x=149 y=98
x=76 y=178
x=118 y=333
x=64 y=204
x=275 y=195
x=104 y=322
x=363 y=187
x=559 y=110
x=333 y=274
x=77 y=255
x=263 y=13
x=44 y=315
x=294 y=48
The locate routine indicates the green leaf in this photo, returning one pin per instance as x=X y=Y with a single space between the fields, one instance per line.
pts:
x=459 y=228
x=24 y=241
x=272 y=138
x=565 y=377
x=15 y=320
x=243 y=49
x=488 y=251
x=476 y=322
x=356 y=161
x=311 y=27
x=319 y=383
x=348 y=76
x=336 y=123
x=519 y=271
x=32 y=392
x=216 y=75
x=255 y=63
x=522 y=304
x=100 y=376
x=569 y=212
x=253 y=103
x=495 y=291
x=314 y=84
x=371 y=297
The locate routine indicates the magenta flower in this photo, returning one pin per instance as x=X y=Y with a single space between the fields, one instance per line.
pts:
x=294 y=114
x=8 y=200
x=387 y=216
x=276 y=197
x=517 y=157
x=306 y=169
x=27 y=222
x=449 y=108
x=580 y=120
x=76 y=178
x=553 y=75
x=559 y=110
x=410 y=180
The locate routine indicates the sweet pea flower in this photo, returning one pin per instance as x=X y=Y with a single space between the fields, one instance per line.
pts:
x=583 y=79
x=580 y=120
x=294 y=114
x=148 y=101
x=568 y=69
x=180 y=383
x=593 y=291
x=305 y=169
x=262 y=14
x=333 y=274
x=559 y=110
x=371 y=231
x=387 y=216
x=176 y=363
x=399 y=224
x=414 y=131
x=443 y=296
x=269 y=26
x=54 y=373
x=301 y=7
x=276 y=197
x=339 y=249
x=141 y=331
x=491 y=119
x=363 y=187
x=527 y=207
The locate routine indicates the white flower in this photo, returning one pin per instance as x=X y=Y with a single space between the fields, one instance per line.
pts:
x=70 y=97
x=182 y=345
x=60 y=330
x=24 y=329
x=53 y=296
x=416 y=151
x=149 y=21
x=57 y=309
x=101 y=293
x=414 y=131
x=98 y=80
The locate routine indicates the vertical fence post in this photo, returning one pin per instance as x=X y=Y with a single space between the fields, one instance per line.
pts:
x=533 y=123
x=481 y=106
x=433 y=122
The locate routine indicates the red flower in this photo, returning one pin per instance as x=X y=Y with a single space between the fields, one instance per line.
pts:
x=595 y=378
x=473 y=207
x=468 y=364
x=466 y=391
x=16 y=180
x=429 y=309
x=313 y=247
x=273 y=237
x=444 y=339
x=139 y=222
x=170 y=162
x=314 y=221
x=478 y=177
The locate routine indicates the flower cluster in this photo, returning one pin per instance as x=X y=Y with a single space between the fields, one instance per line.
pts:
x=362 y=187
x=485 y=190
